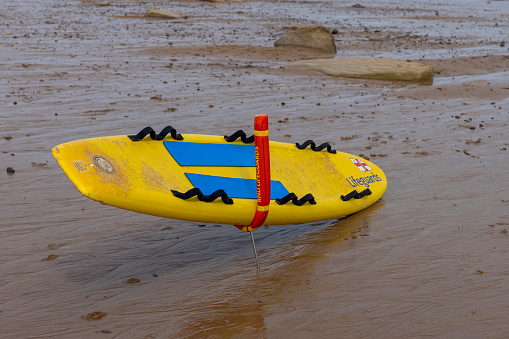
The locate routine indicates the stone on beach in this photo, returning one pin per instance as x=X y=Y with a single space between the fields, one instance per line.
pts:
x=311 y=36
x=369 y=68
x=159 y=13
x=96 y=315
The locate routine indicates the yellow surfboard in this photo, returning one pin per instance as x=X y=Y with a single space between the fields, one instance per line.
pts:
x=204 y=178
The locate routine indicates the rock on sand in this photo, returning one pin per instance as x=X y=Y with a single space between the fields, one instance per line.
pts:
x=366 y=68
x=159 y=13
x=311 y=36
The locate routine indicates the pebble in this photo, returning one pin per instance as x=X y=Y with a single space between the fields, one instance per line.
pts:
x=96 y=315
x=133 y=280
x=50 y=257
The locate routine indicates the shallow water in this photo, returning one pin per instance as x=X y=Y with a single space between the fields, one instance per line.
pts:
x=429 y=259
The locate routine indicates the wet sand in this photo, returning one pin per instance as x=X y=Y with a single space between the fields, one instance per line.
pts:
x=429 y=259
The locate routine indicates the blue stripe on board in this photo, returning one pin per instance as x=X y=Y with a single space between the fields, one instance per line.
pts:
x=234 y=187
x=205 y=154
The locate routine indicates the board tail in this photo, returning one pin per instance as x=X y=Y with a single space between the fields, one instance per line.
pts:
x=262 y=162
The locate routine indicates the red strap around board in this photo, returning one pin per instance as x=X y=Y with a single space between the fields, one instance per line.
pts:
x=262 y=160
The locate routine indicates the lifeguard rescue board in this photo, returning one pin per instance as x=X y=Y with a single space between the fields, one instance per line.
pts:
x=153 y=176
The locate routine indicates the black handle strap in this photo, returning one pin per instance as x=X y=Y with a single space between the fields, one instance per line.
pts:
x=298 y=202
x=314 y=147
x=150 y=131
x=205 y=198
x=356 y=195
x=240 y=134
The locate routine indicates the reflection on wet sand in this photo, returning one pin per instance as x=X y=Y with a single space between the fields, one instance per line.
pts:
x=286 y=275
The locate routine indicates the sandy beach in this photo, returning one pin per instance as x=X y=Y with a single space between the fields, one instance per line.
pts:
x=430 y=259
